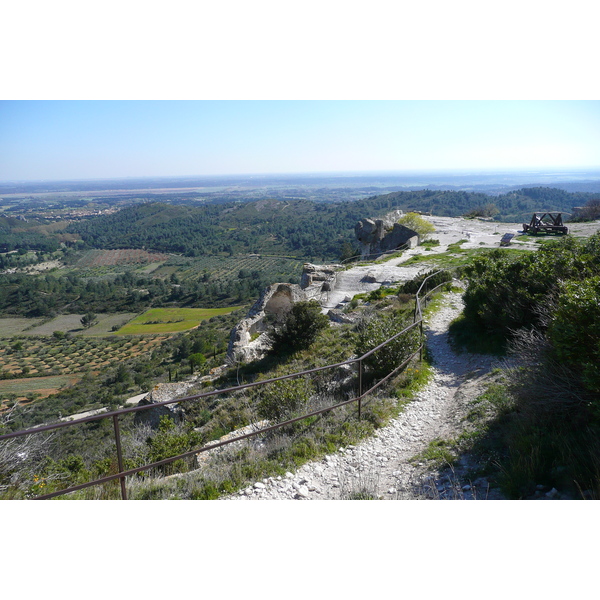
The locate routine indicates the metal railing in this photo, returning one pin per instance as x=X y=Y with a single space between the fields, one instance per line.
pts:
x=122 y=474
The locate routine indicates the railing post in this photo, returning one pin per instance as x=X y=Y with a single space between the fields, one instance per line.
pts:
x=119 y=456
x=360 y=385
x=422 y=341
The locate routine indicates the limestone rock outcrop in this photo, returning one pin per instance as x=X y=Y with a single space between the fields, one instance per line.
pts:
x=161 y=393
x=318 y=278
x=247 y=341
x=377 y=236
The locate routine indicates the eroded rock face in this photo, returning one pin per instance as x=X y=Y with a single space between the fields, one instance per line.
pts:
x=247 y=342
x=398 y=236
x=161 y=393
x=314 y=277
x=369 y=231
x=382 y=235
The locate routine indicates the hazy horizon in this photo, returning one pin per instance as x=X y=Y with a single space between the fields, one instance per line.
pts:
x=585 y=170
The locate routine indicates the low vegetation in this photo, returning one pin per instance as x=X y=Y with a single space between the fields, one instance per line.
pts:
x=544 y=307
x=417 y=223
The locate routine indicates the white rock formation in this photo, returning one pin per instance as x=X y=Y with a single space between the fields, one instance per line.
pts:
x=381 y=235
x=247 y=341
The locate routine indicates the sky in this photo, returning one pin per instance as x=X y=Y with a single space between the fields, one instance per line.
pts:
x=87 y=139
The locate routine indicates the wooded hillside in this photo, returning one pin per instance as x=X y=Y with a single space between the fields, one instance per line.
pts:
x=304 y=228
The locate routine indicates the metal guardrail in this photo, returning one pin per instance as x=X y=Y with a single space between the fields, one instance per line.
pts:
x=114 y=415
x=375 y=255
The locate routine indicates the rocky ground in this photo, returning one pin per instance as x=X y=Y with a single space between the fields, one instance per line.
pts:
x=381 y=467
x=472 y=233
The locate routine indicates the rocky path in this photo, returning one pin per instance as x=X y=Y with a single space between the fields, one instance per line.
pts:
x=471 y=233
x=380 y=467
x=366 y=279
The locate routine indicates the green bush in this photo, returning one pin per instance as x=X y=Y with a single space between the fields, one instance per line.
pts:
x=506 y=293
x=285 y=399
x=197 y=360
x=417 y=223
x=412 y=286
x=379 y=328
x=171 y=441
x=300 y=328
x=575 y=329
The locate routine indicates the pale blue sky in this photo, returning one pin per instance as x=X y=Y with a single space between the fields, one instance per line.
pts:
x=103 y=139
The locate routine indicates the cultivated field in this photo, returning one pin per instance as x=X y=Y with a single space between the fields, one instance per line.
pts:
x=41 y=387
x=171 y=320
x=43 y=356
x=225 y=267
x=125 y=256
x=71 y=324
x=17 y=325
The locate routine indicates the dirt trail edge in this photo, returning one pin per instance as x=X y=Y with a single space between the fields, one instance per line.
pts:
x=381 y=466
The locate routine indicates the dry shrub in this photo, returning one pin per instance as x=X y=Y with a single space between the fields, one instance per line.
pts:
x=541 y=382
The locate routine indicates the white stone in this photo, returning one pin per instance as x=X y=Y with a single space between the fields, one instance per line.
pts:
x=303 y=491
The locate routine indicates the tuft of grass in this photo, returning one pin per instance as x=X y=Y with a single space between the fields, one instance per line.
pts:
x=414 y=379
x=430 y=243
x=439 y=452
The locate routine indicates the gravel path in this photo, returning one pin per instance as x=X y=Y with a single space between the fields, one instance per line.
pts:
x=380 y=466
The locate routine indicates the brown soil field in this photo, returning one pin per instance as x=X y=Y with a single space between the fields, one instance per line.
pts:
x=44 y=386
